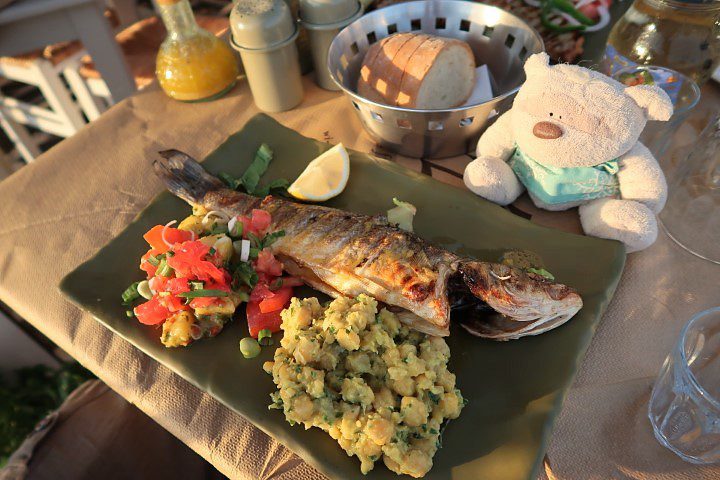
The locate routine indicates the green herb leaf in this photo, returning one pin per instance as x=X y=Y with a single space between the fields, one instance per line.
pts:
x=542 y=272
x=276 y=285
x=279 y=185
x=230 y=181
x=434 y=397
x=257 y=168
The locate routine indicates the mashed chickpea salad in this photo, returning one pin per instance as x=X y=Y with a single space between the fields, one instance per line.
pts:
x=380 y=389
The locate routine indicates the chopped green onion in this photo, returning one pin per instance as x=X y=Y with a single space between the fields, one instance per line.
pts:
x=153 y=260
x=265 y=337
x=203 y=293
x=237 y=229
x=249 y=347
x=131 y=293
x=255 y=242
x=212 y=251
x=143 y=289
x=164 y=269
x=197 y=285
x=270 y=238
x=244 y=275
x=254 y=252
x=242 y=295
x=129 y=313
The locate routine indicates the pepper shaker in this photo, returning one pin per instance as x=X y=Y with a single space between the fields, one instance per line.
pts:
x=323 y=19
x=264 y=33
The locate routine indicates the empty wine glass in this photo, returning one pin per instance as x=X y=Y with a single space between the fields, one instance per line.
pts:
x=691 y=216
x=684 y=406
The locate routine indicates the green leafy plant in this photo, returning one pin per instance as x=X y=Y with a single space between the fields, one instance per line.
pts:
x=28 y=395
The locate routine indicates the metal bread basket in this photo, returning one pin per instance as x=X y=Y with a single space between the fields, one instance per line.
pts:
x=498 y=38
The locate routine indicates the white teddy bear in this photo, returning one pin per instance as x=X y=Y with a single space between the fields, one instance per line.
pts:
x=571 y=139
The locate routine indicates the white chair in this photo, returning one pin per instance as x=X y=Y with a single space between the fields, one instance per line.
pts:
x=61 y=116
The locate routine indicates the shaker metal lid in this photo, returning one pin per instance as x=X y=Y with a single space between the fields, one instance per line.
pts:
x=259 y=24
x=321 y=12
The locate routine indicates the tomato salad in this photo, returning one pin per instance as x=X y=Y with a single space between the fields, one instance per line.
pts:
x=201 y=271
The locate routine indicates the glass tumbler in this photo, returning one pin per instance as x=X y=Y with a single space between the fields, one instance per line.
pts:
x=683 y=92
x=684 y=408
x=692 y=214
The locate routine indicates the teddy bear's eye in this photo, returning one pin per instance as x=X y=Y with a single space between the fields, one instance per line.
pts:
x=560 y=117
x=551 y=114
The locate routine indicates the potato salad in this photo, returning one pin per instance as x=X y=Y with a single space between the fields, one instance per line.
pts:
x=380 y=389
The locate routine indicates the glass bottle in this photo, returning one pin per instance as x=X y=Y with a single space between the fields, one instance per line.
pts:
x=192 y=64
x=683 y=35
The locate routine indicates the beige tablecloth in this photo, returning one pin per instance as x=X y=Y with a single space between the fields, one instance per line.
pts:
x=60 y=210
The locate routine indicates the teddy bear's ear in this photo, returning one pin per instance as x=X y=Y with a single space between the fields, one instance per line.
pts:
x=653 y=100
x=536 y=63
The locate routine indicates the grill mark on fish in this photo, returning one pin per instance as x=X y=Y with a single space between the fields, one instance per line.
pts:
x=345 y=253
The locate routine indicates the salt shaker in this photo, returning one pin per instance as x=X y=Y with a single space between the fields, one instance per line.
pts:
x=323 y=19
x=264 y=33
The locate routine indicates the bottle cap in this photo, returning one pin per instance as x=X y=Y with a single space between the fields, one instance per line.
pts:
x=261 y=24
x=322 y=12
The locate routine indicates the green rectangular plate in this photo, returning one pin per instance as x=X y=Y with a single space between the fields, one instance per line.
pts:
x=515 y=388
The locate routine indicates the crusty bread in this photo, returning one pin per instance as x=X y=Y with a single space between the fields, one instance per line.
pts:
x=378 y=59
x=416 y=70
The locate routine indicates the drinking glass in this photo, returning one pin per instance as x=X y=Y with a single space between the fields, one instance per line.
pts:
x=692 y=214
x=683 y=92
x=684 y=408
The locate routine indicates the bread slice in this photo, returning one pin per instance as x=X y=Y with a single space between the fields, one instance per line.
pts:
x=425 y=72
x=377 y=60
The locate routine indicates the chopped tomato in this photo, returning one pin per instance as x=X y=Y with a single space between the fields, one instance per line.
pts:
x=178 y=285
x=590 y=10
x=203 y=302
x=258 y=320
x=146 y=266
x=260 y=219
x=172 y=303
x=151 y=312
x=261 y=292
x=173 y=235
x=189 y=262
x=158 y=283
x=267 y=263
x=277 y=301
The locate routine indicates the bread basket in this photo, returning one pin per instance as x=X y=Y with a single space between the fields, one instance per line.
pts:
x=498 y=38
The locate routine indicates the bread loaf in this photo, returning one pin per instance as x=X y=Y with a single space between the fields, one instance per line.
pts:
x=416 y=70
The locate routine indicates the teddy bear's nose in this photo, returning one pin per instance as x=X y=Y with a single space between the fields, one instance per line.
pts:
x=547 y=131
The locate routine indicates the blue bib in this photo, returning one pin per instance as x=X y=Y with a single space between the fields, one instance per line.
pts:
x=556 y=185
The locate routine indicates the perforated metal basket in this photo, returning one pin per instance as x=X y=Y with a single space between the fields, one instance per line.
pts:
x=497 y=38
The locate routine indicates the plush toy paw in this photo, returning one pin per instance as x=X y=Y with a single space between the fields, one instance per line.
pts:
x=492 y=179
x=628 y=221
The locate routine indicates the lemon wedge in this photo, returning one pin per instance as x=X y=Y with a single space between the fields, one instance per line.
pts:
x=323 y=178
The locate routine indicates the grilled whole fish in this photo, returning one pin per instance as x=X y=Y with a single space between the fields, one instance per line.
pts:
x=344 y=253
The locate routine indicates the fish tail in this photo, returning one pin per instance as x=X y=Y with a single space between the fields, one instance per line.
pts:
x=184 y=176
